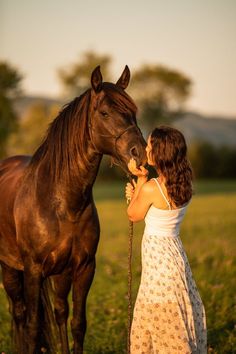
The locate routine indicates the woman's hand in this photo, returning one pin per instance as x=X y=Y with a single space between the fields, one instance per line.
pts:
x=129 y=190
x=137 y=171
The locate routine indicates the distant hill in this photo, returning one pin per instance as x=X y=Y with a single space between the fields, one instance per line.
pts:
x=215 y=130
x=22 y=104
x=195 y=127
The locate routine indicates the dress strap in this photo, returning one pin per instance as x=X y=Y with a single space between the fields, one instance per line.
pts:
x=158 y=184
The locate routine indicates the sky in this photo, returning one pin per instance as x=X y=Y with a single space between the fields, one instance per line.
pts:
x=196 y=37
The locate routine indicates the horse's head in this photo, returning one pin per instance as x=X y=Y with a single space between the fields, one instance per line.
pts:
x=113 y=126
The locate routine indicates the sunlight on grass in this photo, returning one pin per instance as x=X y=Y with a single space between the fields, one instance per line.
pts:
x=208 y=234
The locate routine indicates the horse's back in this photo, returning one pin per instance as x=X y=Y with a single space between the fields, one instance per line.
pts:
x=13 y=162
x=12 y=171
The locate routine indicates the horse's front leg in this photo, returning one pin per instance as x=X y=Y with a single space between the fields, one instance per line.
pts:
x=62 y=285
x=13 y=284
x=82 y=280
x=32 y=285
x=83 y=258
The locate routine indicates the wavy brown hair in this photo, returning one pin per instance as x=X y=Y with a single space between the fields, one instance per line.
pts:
x=169 y=155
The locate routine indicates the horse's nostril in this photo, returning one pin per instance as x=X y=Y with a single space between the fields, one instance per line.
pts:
x=134 y=152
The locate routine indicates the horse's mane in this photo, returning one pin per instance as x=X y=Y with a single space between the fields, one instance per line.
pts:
x=65 y=144
x=65 y=139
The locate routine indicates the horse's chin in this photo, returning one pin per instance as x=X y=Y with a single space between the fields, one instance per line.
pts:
x=120 y=163
x=124 y=164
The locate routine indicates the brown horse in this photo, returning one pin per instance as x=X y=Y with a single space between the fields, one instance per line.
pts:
x=49 y=223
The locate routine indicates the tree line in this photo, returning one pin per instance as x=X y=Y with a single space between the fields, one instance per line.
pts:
x=159 y=92
x=210 y=161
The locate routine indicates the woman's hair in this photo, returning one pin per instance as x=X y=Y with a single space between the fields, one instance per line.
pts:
x=169 y=156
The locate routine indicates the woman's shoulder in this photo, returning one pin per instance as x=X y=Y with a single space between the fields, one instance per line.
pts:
x=159 y=194
x=150 y=188
x=150 y=185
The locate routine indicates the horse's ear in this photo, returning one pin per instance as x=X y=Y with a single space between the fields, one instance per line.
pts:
x=123 y=81
x=96 y=79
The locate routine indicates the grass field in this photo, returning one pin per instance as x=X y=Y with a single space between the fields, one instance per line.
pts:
x=209 y=237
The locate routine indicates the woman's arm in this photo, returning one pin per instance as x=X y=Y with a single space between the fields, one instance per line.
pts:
x=141 y=196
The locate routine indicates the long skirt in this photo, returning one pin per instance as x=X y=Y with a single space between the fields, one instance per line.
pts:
x=169 y=316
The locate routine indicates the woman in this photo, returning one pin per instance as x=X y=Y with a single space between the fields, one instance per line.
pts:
x=169 y=316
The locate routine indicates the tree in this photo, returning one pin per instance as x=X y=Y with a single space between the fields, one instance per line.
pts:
x=76 y=79
x=160 y=93
x=10 y=80
x=204 y=159
x=32 y=128
x=210 y=161
x=227 y=157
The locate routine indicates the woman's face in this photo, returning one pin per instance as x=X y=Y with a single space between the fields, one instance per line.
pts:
x=148 y=151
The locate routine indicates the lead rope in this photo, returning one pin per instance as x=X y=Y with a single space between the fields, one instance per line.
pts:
x=131 y=231
x=130 y=247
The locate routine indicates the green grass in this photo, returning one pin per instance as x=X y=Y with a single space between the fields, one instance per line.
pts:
x=208 y=234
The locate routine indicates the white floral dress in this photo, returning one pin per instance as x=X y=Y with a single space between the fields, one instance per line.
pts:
x=169 y=316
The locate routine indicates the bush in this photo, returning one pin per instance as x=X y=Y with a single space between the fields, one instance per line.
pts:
x=209 y=161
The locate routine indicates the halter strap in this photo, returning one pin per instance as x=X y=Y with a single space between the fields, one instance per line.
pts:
x=167 y=201
x=116 y=137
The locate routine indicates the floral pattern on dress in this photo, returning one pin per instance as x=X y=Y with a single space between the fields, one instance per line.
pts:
x=169 y=316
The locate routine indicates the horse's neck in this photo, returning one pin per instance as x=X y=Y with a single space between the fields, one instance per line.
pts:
x=72 y=189
x=86 y=175
x=77 y=194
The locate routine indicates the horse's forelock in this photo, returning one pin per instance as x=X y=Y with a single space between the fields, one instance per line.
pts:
x=121 y=101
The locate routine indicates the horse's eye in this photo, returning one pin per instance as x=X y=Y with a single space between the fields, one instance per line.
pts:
x=104 y=114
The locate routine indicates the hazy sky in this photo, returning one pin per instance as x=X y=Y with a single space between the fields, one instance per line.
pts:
x=197 y=37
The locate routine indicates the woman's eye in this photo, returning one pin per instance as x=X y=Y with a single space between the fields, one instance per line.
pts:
x=104 y=114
